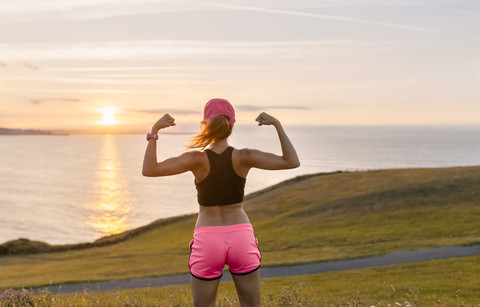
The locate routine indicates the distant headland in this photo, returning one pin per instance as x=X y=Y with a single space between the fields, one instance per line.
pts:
x=7 y=131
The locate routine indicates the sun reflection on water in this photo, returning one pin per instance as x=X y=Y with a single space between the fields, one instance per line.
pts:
x=111 y=209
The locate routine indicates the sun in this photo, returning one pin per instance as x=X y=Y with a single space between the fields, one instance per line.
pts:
x=108 y=116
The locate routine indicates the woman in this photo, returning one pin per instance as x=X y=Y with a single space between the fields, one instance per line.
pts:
x=223 y=233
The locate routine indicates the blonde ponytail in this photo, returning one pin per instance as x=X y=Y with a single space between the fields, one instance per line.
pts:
x=213 y=130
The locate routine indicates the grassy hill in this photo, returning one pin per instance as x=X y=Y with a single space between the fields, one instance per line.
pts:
x=312 y=218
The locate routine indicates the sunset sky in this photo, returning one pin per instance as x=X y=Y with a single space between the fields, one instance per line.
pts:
x=81 y=64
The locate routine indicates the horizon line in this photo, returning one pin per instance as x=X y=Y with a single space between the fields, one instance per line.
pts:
x=114 y=131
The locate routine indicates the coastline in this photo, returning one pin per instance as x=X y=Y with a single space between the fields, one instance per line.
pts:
x=17 y=132
x=23 y=246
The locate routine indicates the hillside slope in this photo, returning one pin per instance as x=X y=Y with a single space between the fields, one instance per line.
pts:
x=363 y=213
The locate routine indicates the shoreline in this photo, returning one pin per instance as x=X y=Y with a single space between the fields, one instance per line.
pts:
x=25 y=246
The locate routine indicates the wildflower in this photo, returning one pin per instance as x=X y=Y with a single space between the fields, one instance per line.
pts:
x=20 y=297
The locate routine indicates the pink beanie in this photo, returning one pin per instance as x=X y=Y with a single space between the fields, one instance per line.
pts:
x=219 y=106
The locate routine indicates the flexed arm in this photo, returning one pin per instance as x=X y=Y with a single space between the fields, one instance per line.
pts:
x=289 y=157
x=172 y=166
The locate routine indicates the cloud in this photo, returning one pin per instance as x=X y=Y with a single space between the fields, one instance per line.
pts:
x=172 y=50
x=261 y=108
x=31 y=66
x=116 y=50
x=34 y=10
x=49 y=100
x=18 y=66
x=164 y=111
x=472 y=13
x=321 y=16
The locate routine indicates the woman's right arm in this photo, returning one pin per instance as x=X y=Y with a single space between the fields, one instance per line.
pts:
x=172 y=166
x=259 y=159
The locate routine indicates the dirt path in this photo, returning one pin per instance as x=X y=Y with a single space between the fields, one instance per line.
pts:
x=266 y=272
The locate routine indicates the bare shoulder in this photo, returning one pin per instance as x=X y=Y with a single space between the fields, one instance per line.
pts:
x=195 y=160
x=247 y=154
x=249 y=151
x=243 y=152
x=193 y=155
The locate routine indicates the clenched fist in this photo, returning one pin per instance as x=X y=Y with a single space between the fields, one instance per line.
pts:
x=164 y=122
x=266 y=119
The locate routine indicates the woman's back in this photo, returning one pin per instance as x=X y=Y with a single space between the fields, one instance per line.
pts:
x=221 y=188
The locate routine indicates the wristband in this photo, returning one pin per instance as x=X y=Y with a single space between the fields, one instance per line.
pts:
x=152 y=136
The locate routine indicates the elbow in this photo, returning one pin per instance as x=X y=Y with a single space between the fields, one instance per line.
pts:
x=146 y=173
x=292 y=164
x=295 y=164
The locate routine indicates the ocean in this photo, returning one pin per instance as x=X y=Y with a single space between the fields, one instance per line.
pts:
x=77 y=188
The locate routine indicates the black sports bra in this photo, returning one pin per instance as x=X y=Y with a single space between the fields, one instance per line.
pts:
x=222 y=186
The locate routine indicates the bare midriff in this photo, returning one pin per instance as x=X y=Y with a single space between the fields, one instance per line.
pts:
x=222 y=215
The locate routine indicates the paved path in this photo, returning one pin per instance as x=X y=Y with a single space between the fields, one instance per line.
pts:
x=266 y=272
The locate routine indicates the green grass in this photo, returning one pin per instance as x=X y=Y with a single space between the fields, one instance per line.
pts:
x=324 y=217
x=448 y=282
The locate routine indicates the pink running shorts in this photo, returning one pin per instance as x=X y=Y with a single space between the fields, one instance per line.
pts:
x=213 y=247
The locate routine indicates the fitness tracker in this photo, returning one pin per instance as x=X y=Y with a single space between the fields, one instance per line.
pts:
x=152 y=136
